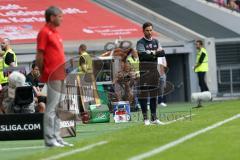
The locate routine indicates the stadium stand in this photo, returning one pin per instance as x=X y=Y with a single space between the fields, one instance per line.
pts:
x=230 y=4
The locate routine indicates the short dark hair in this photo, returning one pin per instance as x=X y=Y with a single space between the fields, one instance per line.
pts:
x=83 y=47
x=147 y=24
x=33 y=64
x=51 y=11
x=200 y=42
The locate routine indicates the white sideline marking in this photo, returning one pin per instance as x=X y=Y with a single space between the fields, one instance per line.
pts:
x=175 y=120
x=181 y=140
x=20 y=148
x=61 y=155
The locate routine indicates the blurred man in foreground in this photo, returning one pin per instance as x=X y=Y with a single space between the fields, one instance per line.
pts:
x=50 y=59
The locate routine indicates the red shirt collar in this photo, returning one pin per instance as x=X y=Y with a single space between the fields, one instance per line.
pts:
x=51 y=27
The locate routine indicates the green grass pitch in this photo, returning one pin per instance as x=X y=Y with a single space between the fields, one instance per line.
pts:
x=126 y=140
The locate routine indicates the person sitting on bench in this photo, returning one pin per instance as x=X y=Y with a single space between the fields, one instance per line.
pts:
x=32 y=79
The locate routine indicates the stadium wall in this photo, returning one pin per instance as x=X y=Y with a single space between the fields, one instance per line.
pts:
x=213 y=12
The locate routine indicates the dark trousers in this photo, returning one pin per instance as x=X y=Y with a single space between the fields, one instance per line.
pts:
x=161 y=99
x=153 y=107
x=148 y=88
x=201 y=80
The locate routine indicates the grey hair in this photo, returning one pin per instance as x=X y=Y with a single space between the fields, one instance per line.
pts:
x=52 y=11
x=16 y=79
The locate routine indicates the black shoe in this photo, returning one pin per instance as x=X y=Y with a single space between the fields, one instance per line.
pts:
x=198 y=106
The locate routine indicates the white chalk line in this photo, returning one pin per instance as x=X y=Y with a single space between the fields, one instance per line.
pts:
x=175 y=120
x=21 y=148
x=68 y=153
x=178 y=119
x=182 y=139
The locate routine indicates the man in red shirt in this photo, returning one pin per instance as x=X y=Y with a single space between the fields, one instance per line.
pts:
x=50 y=59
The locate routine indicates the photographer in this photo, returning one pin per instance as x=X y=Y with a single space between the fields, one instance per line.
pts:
x=7 y=96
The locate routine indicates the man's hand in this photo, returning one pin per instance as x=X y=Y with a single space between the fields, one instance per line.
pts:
x=13 y=64
x=160 y=53
x=196 y=66
x=84 y=68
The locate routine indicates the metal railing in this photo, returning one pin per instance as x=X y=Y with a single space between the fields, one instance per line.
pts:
x=229 y=76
